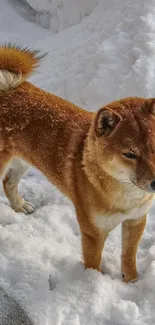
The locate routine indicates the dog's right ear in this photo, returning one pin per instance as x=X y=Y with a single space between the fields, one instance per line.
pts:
x=106 y=121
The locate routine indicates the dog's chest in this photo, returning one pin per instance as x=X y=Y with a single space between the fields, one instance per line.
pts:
x=126 y=204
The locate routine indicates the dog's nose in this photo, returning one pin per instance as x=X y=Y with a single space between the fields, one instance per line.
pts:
x=153 y=185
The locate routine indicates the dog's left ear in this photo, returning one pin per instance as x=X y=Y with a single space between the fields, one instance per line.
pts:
x=150 y=106
x=106 y=121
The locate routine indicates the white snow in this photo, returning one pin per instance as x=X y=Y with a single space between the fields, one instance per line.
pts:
x=60 y=14
x=150 y=275
x=107 y=54
x=124 y=312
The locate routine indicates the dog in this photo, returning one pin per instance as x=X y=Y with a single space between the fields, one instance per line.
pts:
x=103 y=161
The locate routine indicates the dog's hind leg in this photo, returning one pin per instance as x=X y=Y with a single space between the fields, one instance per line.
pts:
x=14 y=173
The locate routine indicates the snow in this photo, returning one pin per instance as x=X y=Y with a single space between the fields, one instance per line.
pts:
x=150 y=275
x=124 y=312
x=101 y=51
x=60 y=14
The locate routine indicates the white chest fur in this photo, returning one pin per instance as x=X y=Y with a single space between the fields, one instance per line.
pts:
x=133 y=205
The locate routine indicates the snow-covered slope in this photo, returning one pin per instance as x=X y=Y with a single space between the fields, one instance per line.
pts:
x=109 y=54
x=60 y=14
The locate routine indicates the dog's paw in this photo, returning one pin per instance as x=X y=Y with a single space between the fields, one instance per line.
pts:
x=25 y=207
x=129 y=278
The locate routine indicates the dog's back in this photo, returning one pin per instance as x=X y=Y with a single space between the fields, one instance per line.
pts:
x=52 y=128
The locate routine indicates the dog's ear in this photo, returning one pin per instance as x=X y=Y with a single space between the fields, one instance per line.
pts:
x=150 y=106
x=106 y=121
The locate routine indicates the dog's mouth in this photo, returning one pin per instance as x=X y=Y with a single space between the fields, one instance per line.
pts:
x=132 y=181
x=143 y=187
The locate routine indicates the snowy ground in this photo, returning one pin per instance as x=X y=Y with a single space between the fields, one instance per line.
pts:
x=109 y=54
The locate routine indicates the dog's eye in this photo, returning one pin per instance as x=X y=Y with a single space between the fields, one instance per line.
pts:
x=130 y=155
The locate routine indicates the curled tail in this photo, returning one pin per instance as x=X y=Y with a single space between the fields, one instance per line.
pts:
x=16 y=65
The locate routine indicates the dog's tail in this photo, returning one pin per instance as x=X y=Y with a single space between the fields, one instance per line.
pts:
x=16 y=65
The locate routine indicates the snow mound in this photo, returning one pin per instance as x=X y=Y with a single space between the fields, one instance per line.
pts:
x=151 y=252
x=109 y=55
x=124 y=312
x=150 y=276
x=60 y=14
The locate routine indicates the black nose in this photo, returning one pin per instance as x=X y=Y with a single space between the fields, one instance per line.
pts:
x=153 y=185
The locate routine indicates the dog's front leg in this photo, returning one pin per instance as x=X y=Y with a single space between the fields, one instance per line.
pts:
x=92 y=245
x=132 y=231
x=93 y=240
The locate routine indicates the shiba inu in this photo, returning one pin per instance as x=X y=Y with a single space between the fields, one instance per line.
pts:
x=103 y=162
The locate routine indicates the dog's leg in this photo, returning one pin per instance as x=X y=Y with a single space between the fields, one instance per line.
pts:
x=92 y=250
x=132 y=231
x=11 y=179
x=92 y=240
x=5 y=159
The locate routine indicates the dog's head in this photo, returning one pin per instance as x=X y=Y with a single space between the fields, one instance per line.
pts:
x=124 y=141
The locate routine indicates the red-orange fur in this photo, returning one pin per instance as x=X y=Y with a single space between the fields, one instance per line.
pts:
x=23 y=61
x=66 y=144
